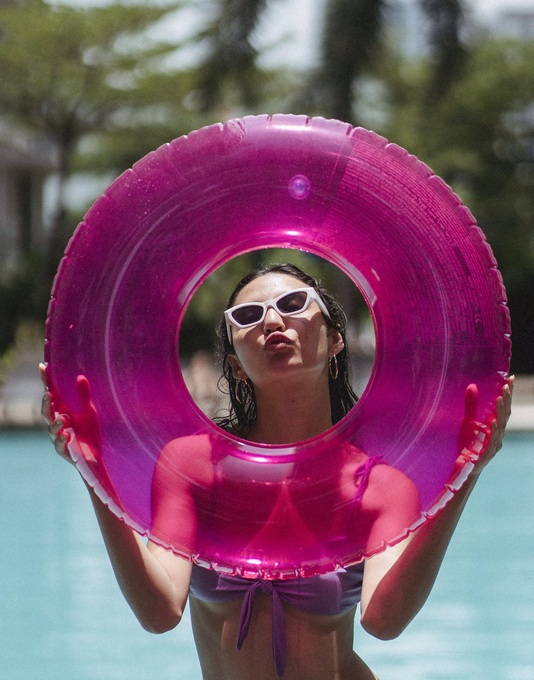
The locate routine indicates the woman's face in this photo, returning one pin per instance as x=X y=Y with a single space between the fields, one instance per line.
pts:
x=298 y=345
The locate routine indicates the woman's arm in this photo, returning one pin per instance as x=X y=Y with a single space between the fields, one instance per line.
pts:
x=154 y=581
x=398 y=581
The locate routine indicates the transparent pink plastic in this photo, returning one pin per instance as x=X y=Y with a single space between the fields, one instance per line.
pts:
x=380 y=215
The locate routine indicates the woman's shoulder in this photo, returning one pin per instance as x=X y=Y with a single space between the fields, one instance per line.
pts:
x=181 y=446
x=188 y=457
x=383 y=484
x=388 y=488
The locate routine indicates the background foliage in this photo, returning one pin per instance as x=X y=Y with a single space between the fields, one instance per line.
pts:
x=105 y=88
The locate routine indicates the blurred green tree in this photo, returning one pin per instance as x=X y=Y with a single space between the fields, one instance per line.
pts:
x=99 y=79
x=68 y=71
x=351 y=44
x=480 y=139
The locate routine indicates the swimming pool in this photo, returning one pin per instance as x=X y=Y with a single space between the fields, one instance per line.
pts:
x=62 y=616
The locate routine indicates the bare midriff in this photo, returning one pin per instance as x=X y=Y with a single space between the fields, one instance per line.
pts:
x=318 y=647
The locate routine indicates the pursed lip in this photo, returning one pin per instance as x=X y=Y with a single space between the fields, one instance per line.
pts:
x=276 y=339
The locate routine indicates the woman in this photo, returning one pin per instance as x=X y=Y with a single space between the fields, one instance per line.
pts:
x=280 y=358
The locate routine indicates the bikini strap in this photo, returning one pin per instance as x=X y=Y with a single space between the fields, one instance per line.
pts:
x=361 y=477
x=279 y=645
x=364 y=472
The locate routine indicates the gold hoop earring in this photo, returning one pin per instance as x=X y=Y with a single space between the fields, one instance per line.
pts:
x=332 y=367
x=238 y=391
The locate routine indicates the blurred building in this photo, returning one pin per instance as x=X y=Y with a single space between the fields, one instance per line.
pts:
x=25 y=161
x=517 y=24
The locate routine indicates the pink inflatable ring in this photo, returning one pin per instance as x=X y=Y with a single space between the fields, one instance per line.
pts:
x=380 y=215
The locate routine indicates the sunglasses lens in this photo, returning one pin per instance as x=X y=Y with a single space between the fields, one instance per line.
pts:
x=248 y=315
x=292 y=302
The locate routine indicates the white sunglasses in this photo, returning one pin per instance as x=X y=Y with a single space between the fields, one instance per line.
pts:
x=250 y=314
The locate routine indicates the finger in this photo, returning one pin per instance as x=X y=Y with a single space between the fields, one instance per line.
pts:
x=500 y=412
x=84 y=391
x=61 y=446
x=56 y=426
x=495 y=440
x=46 y=403
x=46 y=408
x=56 y=402
x=497 y=433
x=503 y=405
x=61 y=443
x=508 y=390
x=470 y=402
x=59 y=436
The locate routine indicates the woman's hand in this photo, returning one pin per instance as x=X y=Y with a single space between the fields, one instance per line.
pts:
x=398 y=581
x=56 y=426
x=85 y=423
x=85 y=426
x=154 y=581
x=495 y=429
x=503 y=410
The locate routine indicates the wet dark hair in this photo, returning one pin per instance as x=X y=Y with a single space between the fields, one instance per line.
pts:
x=242 y=411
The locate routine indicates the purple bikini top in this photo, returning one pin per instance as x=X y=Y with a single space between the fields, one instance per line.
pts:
x=334 y=593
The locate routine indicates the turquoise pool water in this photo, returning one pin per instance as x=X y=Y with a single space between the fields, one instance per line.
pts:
x=62 y=616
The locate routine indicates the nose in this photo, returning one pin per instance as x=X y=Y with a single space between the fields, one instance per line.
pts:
x=273 y=322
